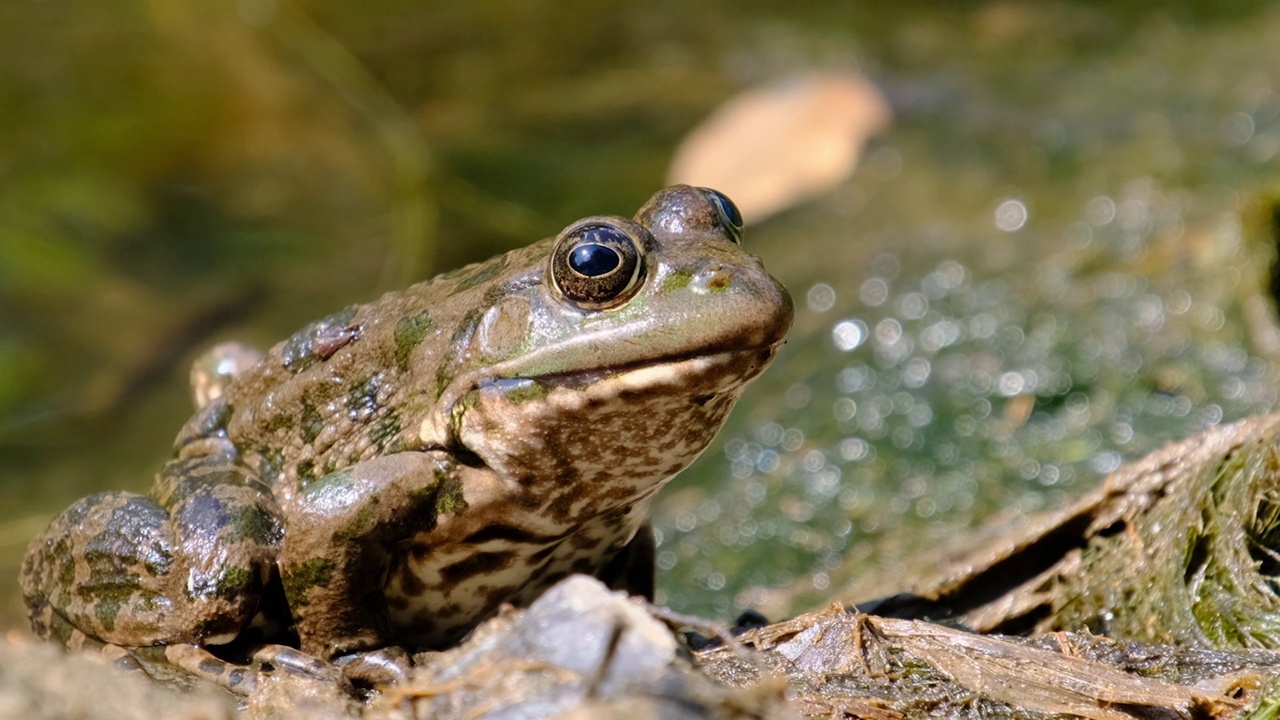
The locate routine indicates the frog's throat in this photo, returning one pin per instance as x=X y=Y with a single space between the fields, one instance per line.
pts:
x=442 y=428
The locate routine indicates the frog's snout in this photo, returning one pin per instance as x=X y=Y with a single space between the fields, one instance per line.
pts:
x=758 y=305
x=783 y=314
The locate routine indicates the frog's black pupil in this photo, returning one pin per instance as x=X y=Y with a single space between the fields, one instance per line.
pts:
x=594 y=260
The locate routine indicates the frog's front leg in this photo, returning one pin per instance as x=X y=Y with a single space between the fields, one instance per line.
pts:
x=185 y=564
x=340 y=533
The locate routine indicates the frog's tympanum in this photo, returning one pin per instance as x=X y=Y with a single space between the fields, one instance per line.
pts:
x=390 y=475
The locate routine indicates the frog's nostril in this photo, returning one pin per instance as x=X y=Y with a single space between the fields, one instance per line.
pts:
x=715 y=277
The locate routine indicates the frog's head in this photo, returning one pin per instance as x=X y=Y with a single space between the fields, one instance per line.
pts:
x=612 y=360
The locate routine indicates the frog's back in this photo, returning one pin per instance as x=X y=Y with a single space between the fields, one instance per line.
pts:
x=356 y=384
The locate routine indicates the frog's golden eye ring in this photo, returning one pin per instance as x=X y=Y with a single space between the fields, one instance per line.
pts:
x=730 y=217
x=597 y=266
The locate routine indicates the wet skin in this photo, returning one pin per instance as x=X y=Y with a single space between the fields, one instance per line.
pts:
x=391 y=474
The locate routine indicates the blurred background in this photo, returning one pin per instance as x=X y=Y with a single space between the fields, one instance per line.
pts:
x=1046 y=248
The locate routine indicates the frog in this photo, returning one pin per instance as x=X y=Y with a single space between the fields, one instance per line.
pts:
x=391 y=475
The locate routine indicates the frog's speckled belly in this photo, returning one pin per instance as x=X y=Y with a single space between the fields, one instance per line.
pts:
x=436 y=591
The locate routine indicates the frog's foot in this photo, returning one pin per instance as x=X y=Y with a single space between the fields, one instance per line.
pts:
x=383 y=667
x=176 y=665
x=161 y=662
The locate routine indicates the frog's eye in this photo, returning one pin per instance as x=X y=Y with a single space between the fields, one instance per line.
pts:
x=597 y=266
x=730 y=218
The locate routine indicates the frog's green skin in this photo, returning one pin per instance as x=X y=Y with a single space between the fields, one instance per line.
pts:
x=400 y=469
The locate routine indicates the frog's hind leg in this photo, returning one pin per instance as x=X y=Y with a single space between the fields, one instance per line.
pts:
x=74 y=639
x=177 y=666
x=187 y=566
x=104 y=567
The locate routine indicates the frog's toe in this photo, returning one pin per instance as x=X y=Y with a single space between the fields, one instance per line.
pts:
x=297 y=662
x=158 y=661
x=385 y=666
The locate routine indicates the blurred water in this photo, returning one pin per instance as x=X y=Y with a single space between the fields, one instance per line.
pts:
x=1044 y=270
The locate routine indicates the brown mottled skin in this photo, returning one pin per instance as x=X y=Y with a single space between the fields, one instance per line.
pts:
x=391 y=474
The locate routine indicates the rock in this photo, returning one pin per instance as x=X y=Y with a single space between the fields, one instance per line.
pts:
x=581 y=650
x=1181 y=546
x=839 y=662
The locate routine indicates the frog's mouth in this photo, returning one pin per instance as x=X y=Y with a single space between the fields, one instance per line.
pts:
x=673 y=400
x=729 y=369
